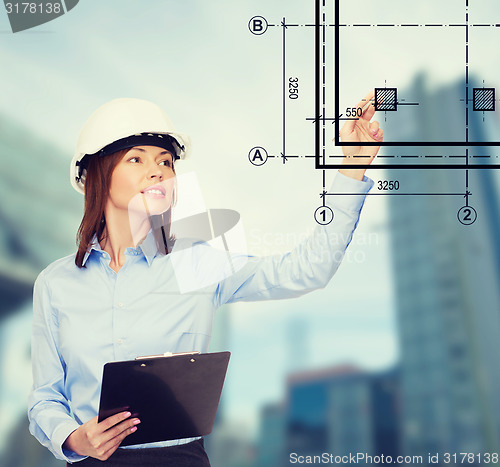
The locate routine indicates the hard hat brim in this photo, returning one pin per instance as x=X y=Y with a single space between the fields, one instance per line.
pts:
x=182 y=150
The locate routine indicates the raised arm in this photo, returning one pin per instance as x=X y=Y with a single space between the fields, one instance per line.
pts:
x=313 y=262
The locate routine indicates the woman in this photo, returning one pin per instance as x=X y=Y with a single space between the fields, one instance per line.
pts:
x=118 y=297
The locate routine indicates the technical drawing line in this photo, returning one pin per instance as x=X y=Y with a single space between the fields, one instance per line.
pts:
x=323 y=80
x=466 y=196
x=466 y=74
x=441 y=156
x=283 y=153
x=337 y=68
x=315 y=119
x=423 y=156
x=317 y=110
x=293 y=156
x=420 y=143
x=415 y=25
x=466 y=187
x=463 y=195
x=409 y=166
x=393 y=25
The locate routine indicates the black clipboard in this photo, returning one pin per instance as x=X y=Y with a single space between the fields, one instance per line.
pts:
x=174 y=396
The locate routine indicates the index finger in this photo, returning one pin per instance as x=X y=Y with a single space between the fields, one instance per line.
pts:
x=351 y=124
x=366 y=99
x=369 y=110
x=114 y=419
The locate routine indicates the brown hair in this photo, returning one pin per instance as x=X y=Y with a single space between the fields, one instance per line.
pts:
x=97 y=185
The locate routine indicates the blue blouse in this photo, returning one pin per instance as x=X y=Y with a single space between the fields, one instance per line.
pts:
x=85 y=317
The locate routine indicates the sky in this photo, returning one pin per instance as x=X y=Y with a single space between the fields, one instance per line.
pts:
x=223 y=86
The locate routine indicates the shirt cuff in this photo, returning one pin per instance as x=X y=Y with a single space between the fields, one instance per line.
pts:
x=352 y=192
x=60 y=435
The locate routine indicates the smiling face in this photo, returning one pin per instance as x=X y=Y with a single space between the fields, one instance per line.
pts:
x=143 y=181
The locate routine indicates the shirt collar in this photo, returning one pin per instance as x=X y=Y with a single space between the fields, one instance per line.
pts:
x=94 y=245
x=147 y=247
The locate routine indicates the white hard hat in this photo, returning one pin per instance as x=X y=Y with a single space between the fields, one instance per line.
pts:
x=120 y=124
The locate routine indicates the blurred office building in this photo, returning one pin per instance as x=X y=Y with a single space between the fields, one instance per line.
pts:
x=228 y=445
x=447 y=278
x=341 y=410
x=36 y=228
x=298 y=343
x=272 y=436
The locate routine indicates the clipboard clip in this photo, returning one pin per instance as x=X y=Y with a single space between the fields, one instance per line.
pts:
x=167 y=354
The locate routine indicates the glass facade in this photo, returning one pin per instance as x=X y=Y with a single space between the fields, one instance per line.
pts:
x=446 y=280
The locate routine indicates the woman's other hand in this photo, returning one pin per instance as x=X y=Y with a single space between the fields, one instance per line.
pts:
x=100 y=440
x=361 y=130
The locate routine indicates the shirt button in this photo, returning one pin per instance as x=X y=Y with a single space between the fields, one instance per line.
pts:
x=120 y=304
x=120 y=341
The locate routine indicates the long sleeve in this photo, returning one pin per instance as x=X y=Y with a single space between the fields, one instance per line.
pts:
x=312 y=263
x=49 y=411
